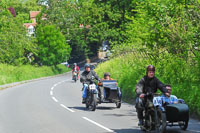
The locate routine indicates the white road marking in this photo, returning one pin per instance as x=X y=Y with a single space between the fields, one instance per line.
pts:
x=109 y=130
x=54 y=99
x=55 y=85
x=67 y=108
x=51 y=93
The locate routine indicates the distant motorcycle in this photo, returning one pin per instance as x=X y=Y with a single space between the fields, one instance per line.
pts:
x=75 y=76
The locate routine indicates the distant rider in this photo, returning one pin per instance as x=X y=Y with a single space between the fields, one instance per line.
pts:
x=77 y=69
x=149 y=83
x=85 y=78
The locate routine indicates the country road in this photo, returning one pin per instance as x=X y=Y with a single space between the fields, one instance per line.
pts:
x=53 y=105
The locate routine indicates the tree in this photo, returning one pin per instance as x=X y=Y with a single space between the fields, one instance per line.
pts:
x=65 y=15
x=165 y=25
x=52 y=45
x=22 y=8
x=15 y=45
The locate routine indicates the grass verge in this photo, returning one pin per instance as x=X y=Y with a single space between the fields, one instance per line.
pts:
x=10 y=74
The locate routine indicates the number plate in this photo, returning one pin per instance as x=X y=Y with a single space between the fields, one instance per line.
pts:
x=157 y=101
x=92 y=87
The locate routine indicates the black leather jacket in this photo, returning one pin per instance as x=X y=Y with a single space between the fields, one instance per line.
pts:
x=87 y=76
x=149 y=85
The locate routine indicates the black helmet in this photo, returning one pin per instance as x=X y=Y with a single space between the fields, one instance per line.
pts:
x=87 y=65
x=106 y=74
x=151 y=68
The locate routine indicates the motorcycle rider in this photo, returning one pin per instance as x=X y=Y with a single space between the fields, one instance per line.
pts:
x=77 y=69
x=149 y=83
x=106 y=77
x=85 y=78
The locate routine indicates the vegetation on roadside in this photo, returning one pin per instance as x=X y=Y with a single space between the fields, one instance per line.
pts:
x=11 y=73
x=165 y=34
x=130 y=68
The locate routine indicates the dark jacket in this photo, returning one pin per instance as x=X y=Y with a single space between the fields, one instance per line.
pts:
x=87 y=76
x=149 y=85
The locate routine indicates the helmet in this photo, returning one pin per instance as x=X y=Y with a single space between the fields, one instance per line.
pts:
x=75 y=64
x=150 y=68
x=87 y=65
x=106 y=74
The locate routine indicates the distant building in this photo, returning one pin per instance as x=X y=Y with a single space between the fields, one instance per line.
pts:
x=44 y=3
x=31 y=26
x=33 y=15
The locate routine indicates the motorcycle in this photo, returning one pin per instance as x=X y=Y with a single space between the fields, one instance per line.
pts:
x=154 y=116
x=75 y=76
x=91 y=99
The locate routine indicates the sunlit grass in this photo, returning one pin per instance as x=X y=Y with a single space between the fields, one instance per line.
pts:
x=10 y=74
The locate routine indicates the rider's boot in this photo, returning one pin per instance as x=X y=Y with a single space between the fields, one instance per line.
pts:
x=83 y=100
x=140 y=123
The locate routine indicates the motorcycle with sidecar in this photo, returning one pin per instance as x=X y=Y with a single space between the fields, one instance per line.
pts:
x=159 y=115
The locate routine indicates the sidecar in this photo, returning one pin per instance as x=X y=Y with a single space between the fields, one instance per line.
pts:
x=111 y=93
x=177 y=115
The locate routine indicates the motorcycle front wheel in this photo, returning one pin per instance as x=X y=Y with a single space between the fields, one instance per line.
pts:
x=149 y=121
x=75 y=78
x=161 y=121
x=93 y=102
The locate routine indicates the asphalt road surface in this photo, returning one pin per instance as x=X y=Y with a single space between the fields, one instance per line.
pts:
x=53 y=105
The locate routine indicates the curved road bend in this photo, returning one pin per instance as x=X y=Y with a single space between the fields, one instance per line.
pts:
x=53 y=105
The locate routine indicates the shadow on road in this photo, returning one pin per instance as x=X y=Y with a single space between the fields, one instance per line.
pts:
x=79 y=108
x=139 y=131
x=178 y=130
x=127 y=130
x=121 y=115
x=84 y=108
x=105 y=108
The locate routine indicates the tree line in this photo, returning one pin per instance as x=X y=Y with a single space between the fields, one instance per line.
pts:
x=75 y=29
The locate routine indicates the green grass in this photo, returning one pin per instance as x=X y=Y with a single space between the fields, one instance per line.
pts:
x=10 y=74
x=182 y=75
